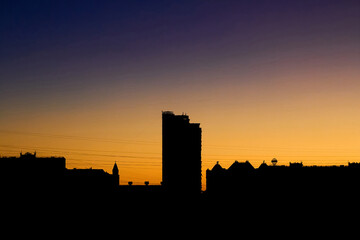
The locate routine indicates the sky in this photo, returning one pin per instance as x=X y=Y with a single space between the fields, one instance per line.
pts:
x=88 y=80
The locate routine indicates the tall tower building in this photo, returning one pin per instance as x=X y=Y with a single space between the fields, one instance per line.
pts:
x=181 y=154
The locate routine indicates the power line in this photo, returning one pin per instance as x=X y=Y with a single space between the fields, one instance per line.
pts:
x=205 y=156
x=262 y=148
x=72 y=137
x=207 y=146
x=120 y=164
x=74 y=151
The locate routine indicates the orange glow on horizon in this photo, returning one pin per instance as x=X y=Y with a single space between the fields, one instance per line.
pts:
x=314 y=121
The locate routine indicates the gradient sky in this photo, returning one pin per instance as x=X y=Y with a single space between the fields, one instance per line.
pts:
x=88 y=80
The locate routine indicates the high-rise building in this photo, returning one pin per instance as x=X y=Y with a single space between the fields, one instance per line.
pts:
x=181 y=154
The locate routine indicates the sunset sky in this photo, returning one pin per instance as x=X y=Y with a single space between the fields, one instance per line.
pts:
x=88 y=80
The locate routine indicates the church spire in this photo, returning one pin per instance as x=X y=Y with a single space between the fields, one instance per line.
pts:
x=115 y=170
x=115 y=174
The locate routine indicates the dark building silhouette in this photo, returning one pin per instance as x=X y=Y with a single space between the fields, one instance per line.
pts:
x=216 y=179
x=181 y=169
x=91 y=180
x=31 y=173
x=140 y=193
x=238 y=176
x=181 y=154
x=241 y=179
x=42 y=176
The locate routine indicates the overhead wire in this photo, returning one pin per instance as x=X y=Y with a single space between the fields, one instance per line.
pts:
x=205 y=158
x=72 y=137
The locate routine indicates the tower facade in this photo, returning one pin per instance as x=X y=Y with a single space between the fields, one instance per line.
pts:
x=181 y=154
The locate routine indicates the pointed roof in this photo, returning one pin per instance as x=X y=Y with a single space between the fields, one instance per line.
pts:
x=263 y=165
x=217 y=167
x=115 y=169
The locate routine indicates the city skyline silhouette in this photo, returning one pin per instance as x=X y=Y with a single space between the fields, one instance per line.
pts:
x=117 y=159
x=36 y=176
x=267 y=79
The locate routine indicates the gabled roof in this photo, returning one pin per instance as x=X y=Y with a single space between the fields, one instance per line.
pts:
x=263 y=165
x=217 y=168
